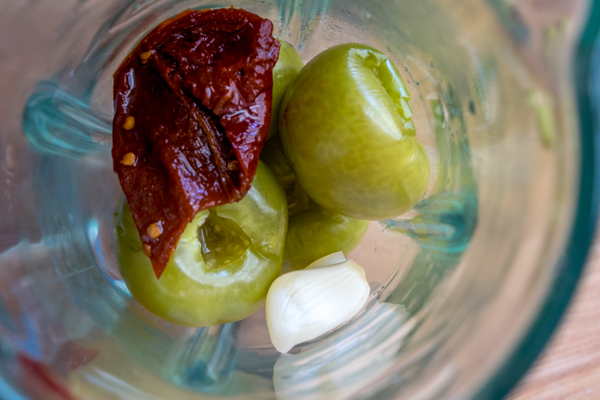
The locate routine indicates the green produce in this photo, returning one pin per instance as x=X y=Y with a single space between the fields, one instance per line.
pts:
x=272 y=155
x=225 y=261
x=313 y=232
x=288 y=65
x=347 y=132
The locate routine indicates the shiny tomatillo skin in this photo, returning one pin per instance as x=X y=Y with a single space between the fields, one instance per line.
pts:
x=346 y=130
x=313 y=232
x=199 y=288
x=316 y=232
x=287 y=67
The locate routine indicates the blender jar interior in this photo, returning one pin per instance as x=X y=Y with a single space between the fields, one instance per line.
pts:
x=455 y=283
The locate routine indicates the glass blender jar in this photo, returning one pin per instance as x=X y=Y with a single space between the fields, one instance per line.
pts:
x=465 y=289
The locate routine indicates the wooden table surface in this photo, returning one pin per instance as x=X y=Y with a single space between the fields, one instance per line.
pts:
x=569 y=368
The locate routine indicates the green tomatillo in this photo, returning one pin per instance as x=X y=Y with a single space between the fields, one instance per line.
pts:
x=346 y=129
x=225 y=261
x=288 y=65
x=272 y=155
x=313 y=232
x=316 y=232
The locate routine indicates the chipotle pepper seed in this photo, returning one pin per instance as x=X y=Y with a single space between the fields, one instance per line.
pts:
x=145 y=56
x=147 y=250
x=233 y=165
x=129 y=123
x=128 y=159
x=154 y=230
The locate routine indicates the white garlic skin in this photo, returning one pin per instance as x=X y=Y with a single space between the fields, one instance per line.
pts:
x=303 y=305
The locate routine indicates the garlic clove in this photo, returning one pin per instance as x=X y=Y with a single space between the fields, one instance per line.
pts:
x=303 y=305
x=331 y=259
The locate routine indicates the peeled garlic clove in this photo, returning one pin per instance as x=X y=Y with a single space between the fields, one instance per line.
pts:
x=331 y=259
x=303 y=305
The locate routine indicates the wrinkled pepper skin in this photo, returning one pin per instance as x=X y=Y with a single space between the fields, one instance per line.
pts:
x=192 y=112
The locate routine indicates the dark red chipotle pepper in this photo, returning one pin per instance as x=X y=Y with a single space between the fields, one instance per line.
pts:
x=192 y=112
